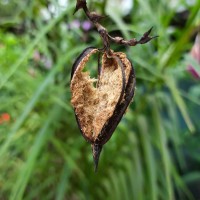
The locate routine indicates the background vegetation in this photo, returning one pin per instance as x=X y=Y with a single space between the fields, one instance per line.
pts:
x=153 y=154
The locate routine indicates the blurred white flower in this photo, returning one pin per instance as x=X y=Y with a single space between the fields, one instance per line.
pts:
x=122 y=7
x=63 y=3
x=45 y=14
x=54 y=9
x=179 y=5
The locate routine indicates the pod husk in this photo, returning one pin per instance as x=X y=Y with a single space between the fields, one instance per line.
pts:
x=99 y=109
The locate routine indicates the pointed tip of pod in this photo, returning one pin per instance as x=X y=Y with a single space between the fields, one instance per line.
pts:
x=96 y=151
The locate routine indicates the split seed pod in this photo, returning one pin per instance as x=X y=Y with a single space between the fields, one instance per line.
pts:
x=99 y=109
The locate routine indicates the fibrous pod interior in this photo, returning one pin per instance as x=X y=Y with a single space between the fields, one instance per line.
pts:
x=95 y=105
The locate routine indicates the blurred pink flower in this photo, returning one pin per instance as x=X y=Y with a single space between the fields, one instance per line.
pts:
x=36 y=56
x=194 y=73
x=195 y=53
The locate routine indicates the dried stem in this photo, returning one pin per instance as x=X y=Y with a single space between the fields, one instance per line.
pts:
x=96 y=18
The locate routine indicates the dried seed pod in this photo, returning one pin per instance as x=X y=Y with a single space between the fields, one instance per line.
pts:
x=99 y=109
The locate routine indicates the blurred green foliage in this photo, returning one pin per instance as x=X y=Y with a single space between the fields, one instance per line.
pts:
x=153 y=154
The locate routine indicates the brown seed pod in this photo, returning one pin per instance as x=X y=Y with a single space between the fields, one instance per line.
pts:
x=99 y=109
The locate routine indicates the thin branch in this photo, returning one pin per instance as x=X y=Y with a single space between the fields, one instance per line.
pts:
x=96 y=18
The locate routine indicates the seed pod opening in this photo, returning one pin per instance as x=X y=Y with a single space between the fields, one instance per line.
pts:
x=99 y=109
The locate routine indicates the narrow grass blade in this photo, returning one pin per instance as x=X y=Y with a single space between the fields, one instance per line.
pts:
x=30 y=48
x=179 y=101
x=162 y=138
x=148 y=157
x=26 y=170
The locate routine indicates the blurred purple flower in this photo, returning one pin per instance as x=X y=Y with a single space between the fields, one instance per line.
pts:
x=74 y=24
x=47 y=63
x=195 y=53
x=86 y=25
x=38 y=58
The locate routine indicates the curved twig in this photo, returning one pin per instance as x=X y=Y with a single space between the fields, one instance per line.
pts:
x=96 y=18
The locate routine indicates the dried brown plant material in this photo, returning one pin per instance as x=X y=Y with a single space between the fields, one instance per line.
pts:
x=99 y=108
x=100 y=103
